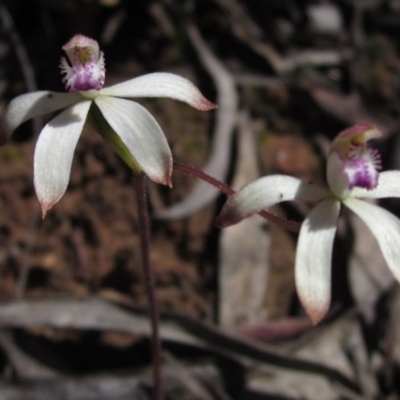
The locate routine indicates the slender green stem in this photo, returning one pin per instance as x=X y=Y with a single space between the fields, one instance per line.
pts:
x=144 y=228
x=292 y=226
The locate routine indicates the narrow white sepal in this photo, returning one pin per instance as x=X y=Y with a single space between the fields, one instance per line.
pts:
x=388 y=186
x=160 y=84
x=314 y=258
x=141 y=134
x=265 y=192
x=384 y=226
x=33 y=104
x=54 y=152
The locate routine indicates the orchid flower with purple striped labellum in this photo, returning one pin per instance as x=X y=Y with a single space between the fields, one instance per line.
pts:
x=136 y=135
x=352 y=174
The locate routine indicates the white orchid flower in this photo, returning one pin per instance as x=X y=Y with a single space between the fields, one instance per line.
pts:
x=352 y=173
x=139 y=135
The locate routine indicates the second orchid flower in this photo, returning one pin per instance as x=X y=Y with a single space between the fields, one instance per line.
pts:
x=352 y=173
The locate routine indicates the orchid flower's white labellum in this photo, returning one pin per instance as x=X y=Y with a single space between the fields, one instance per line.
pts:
x=351 y=163
x=87 y=69
x=84 y=79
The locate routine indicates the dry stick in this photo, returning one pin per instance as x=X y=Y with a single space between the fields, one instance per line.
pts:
x=144 y=229
x=292 y=226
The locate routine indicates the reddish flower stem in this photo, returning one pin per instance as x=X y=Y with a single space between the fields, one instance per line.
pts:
x=148 y=272
x=292 y=226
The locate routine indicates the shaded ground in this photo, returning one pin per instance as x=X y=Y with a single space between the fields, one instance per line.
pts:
x=299 y=83
x=91 y=241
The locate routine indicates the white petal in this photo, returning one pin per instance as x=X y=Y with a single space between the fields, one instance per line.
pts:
x=335 y=176
x=31 y=105
x=388 y=186
x=384 y=226
x=141 y=134
x=161 y=84
x=314 y=258
x=54 y=152
x=264 y=193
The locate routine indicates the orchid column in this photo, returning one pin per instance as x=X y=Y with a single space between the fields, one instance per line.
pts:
x=127 y=126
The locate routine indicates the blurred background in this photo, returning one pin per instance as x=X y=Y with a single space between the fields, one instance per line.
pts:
x=288 y=76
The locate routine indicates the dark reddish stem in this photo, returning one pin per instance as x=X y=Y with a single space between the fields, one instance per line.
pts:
x=292 y=226
x=150 y=282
